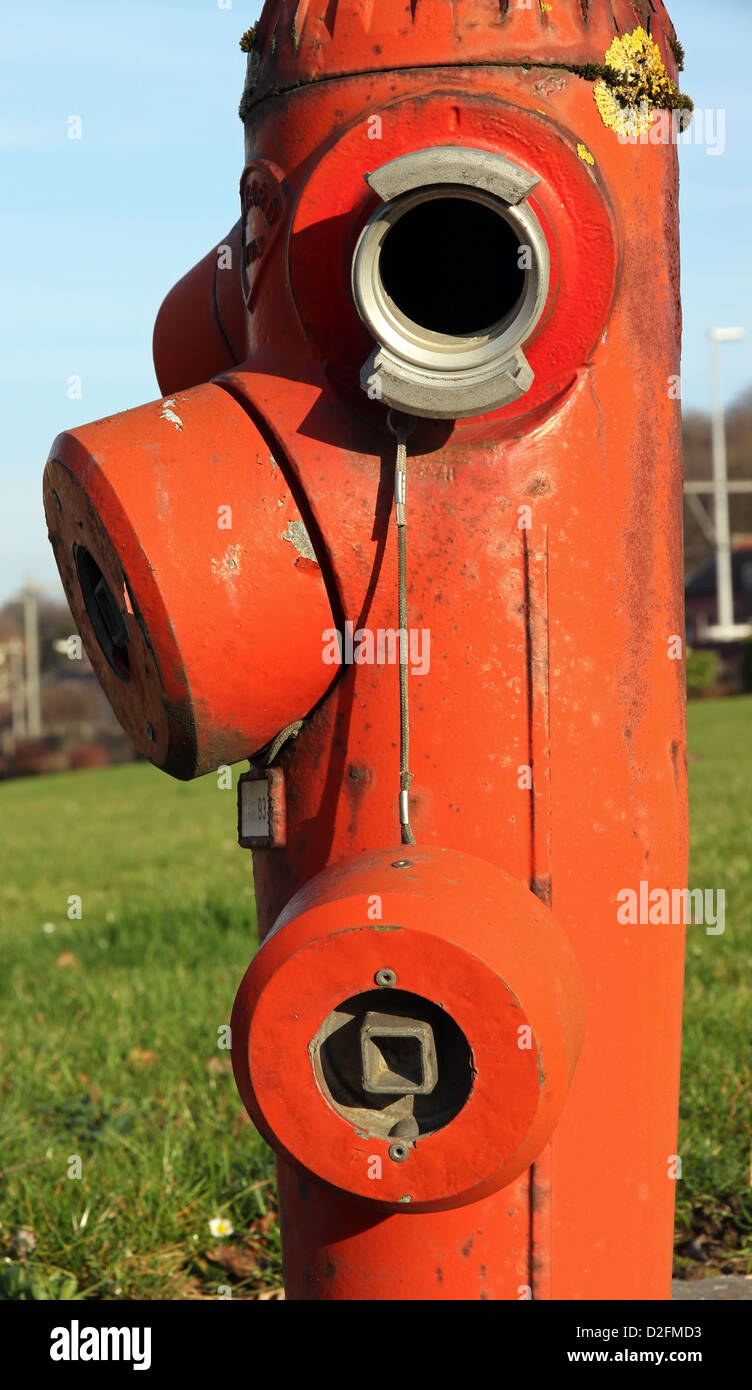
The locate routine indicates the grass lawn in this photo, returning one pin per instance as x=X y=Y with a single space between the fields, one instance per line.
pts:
x=109 y=1043
x=714 y=1197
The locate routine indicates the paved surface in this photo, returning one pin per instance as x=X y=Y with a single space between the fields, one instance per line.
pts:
x=723 y=1288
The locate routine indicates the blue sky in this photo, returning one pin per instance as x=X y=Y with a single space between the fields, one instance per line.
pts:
x=94 y=232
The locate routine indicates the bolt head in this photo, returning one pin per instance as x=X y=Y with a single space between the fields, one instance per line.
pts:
x=386 y=978
x=398 y=1152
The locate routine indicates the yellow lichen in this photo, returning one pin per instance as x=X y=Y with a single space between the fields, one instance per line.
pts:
x=635 y=83
x=544 y=7
x=620 y=116
x=585 y=154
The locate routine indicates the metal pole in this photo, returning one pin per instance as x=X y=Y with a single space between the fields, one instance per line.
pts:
x=725 y=630
x=15 y=676
x=724 y=586
x=31 y=636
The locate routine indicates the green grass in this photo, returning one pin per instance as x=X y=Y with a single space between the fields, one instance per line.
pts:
x=110 y=1041
x=110 y=1030
x=714 y=1197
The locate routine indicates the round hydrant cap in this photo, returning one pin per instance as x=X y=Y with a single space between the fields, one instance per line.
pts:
x=439 y=1042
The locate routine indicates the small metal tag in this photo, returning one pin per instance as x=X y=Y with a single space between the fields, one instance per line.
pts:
x=262 y=821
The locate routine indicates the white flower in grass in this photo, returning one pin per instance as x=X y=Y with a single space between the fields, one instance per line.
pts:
x=220 y=1226
x=23 y=1242
x=48 y=928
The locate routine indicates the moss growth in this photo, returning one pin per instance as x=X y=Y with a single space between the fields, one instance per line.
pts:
x=590 y=71
x=678 y=51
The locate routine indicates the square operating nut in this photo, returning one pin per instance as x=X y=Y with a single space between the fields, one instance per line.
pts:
x=398 y=1056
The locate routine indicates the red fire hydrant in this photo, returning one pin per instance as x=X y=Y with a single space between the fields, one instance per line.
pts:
x=405 y=531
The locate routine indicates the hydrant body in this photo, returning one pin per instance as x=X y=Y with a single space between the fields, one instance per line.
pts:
x=408 y=1036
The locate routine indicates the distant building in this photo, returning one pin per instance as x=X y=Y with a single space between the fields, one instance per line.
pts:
x=700 y=596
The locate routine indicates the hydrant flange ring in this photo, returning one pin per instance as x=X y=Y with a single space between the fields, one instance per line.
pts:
x=450 y=341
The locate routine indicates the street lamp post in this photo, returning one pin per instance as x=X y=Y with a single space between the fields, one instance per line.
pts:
x=726 y=630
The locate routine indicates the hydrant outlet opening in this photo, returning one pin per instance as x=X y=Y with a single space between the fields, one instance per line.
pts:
x=452 y=265
x=393 y=1063
x=450 y=275
x=107 y=617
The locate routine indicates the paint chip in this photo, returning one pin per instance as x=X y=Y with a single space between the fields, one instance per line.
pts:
x=297 y=535
x=167 y=414
x=229 y=565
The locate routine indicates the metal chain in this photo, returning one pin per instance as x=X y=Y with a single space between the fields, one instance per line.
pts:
x=401 y=429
